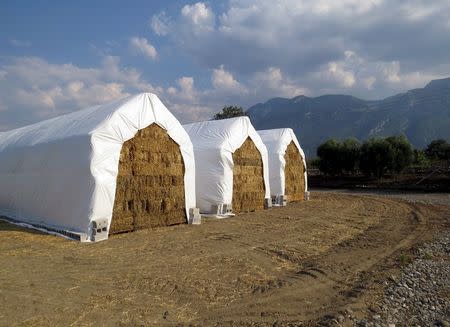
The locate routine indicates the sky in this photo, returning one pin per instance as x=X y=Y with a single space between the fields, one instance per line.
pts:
x=60 y=56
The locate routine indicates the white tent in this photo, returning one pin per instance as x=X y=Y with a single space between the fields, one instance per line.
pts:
x=277 y=142
x=214 y=144
x=60 y=174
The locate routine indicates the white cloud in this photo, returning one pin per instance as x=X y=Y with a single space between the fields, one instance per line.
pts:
x=186 y=85
x=390 y=71
x=337 y=72
x=349 y=7
x=309 y=42
x=184 y=91
x=140 y=45
x=222 y=79
x=20 y=43
x=33 y=89
x=357 y=74
x=273 y=82
x=199 y=16
x=369 y=82
x=160 y=24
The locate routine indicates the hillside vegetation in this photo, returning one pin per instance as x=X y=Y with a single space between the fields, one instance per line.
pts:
x=421 y=114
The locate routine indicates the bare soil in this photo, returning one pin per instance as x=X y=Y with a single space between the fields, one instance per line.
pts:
x=294 y=266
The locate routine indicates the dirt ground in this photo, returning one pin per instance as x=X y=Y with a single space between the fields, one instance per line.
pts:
x=298 y=265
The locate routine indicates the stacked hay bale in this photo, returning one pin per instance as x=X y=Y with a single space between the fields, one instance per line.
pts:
x=288 y=178
x=294 y=173
x=248 y=178
x=231 y=166
x=150 y=183
x=112 y=168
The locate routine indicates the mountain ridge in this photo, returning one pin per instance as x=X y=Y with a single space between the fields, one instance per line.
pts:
x=422 y=114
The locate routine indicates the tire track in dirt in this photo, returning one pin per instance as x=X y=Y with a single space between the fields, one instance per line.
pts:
x=299 y=264
x=326 y=284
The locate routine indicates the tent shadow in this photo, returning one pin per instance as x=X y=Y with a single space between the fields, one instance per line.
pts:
x=9 y=227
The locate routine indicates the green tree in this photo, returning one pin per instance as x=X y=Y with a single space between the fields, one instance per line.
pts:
x=438 y=150
x=230 y=112
x=403 y=153
x=350 y=152
x=377 y=156
x=420 y=158
x=329 y=154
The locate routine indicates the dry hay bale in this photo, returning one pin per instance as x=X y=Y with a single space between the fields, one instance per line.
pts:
x=294 y=174
x=150 y=183
x=248 y=178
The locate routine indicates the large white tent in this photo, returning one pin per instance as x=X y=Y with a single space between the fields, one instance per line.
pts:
x=60 y=174
x=214 y=144
x=277 y=142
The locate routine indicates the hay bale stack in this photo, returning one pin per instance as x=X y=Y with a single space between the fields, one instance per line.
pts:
x=248 y=178
x=294 y=174
x=150 y=183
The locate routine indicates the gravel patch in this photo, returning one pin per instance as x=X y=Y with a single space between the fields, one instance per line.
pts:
x=420 y=296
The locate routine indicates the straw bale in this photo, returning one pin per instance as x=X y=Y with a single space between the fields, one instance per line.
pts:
x=294 y=174
x=150 y=183
x=248 y=178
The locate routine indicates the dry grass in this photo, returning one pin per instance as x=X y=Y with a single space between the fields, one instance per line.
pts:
x=248 y=178
x=294 y=174
x=194 y=274
x=150 y=183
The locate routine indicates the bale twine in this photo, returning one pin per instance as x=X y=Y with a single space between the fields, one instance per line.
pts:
x=150 y=183
x=248 y=178
x=294 y=174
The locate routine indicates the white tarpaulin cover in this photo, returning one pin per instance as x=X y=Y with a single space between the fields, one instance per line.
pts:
x=62 y=172
x=214 y=144
x=277 y=141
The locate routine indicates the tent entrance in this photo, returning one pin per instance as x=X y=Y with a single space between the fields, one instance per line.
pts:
x=248 y=178
x=294 y=174
x=150 y=183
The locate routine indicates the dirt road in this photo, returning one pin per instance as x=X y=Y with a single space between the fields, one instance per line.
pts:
x=298 y=265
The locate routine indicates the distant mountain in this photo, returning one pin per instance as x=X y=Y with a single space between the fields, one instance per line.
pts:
x=421 y=114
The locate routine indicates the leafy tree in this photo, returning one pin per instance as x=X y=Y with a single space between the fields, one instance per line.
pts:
x=230 y=112
x=350 y=152
x=403 y=153
x=420 y=158
x=329 y=154
x=438 y=150
x=336 y=157
x=377 y=156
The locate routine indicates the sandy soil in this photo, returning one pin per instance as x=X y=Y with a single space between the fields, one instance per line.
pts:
x=298 y=265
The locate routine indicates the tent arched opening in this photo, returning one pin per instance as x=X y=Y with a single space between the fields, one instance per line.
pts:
x=124 y=165
x=287 y=166
x=294 y=172
x=232 y=171
x=248 y=178
x=150 y=183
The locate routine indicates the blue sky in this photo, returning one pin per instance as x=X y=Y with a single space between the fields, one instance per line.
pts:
x=61 y=56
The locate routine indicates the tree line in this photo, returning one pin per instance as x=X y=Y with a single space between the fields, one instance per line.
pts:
x=374 y=157
x=377 y=156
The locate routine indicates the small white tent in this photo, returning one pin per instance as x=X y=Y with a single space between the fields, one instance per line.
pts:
x=231 y=166
x=61 y=174
x=287 y=165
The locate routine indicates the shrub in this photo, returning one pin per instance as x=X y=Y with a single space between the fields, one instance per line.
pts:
x=330 y=157
x=438 y=150
x=403 y=153
x=230 y=112
x=420 y=159
x=350 y=153
x=377 y=156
